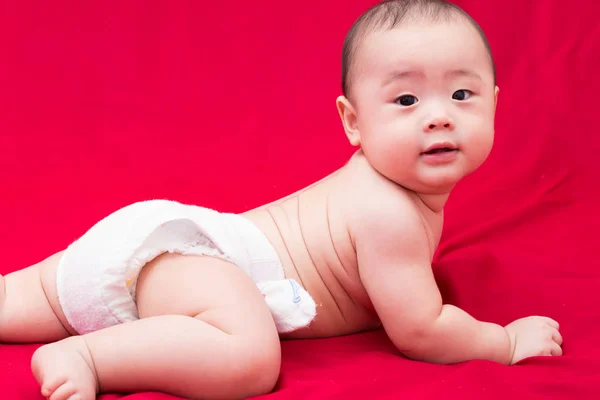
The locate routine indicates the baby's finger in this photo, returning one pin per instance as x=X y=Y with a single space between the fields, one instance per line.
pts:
x=556 y=350
x=557 y=337
x=551 y=322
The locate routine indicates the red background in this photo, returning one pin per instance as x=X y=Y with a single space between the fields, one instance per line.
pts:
x=230 y=105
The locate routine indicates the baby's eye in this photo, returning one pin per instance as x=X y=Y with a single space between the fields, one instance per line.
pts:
x=407 y=100
x=462 y=94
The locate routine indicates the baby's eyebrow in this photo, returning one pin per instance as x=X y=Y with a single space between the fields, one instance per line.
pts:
x=463 y=72
x=407 y=74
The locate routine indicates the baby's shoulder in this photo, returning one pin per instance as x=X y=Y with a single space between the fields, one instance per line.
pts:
x=378 y=204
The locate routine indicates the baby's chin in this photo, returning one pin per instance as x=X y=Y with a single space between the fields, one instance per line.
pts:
x=433 y=185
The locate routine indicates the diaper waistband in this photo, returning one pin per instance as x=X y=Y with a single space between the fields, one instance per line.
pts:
x=250 y=249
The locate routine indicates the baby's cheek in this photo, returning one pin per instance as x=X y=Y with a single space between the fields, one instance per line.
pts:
x=390 y=152
x=482 y=142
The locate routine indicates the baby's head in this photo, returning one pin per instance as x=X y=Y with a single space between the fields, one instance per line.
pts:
x=419 y=92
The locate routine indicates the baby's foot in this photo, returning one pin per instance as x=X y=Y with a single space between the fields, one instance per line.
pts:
x=65 y=370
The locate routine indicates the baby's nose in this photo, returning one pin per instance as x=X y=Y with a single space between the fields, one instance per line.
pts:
x=439 y=122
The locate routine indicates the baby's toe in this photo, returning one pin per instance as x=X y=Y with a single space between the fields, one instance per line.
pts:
x=49 y=386
x=64 y=392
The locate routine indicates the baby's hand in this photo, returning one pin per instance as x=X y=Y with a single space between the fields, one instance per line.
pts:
x=534 y=336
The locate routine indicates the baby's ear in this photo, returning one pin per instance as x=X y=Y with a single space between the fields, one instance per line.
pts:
x=496 y=90
x=349 y=120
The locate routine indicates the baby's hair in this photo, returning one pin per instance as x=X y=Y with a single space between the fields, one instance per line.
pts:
x=389 y=14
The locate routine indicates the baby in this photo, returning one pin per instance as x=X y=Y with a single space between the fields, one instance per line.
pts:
x=162 y=296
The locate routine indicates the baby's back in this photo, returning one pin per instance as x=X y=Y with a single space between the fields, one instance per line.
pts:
x=310 y=232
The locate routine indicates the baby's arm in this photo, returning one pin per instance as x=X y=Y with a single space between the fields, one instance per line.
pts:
x=394 y=262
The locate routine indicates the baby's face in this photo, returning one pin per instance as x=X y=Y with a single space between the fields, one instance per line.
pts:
x=425 y=99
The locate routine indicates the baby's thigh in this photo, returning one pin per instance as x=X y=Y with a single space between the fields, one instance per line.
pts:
x=30 y=309
x=208 y=288
x=48 y=268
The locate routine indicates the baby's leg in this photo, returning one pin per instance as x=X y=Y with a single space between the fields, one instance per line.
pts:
x=205 y=332
x=29 y=309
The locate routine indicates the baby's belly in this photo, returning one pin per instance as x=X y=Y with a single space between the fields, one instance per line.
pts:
x=323 y=261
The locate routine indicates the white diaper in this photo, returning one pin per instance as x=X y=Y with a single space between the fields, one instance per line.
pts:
x=97 y=274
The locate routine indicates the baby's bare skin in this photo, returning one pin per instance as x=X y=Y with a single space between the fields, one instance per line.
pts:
x=312 y=231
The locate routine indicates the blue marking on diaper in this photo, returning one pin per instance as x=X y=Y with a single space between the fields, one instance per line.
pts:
x=295 y=287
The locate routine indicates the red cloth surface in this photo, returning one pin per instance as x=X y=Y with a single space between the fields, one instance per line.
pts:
x=230 y=105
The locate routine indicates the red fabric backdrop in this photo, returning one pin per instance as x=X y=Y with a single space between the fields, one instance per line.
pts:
x=231 y=104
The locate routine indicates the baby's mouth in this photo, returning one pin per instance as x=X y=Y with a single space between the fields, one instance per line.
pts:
x=439 y=150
